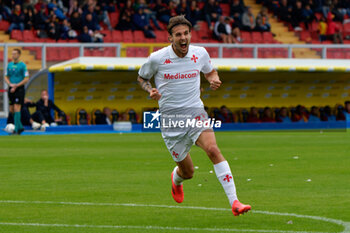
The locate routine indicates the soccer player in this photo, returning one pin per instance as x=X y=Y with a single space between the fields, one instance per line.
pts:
x=176 y=70
x=16 y=77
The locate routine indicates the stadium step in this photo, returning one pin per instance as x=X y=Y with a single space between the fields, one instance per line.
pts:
x=282 y=34
x=26 y=56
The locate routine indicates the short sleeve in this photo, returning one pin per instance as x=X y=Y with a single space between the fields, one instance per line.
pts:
x=7 y=71
x=207 y=67
x=149 y=68
x=25 y=71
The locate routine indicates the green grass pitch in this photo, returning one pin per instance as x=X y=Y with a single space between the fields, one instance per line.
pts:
x=82 y=183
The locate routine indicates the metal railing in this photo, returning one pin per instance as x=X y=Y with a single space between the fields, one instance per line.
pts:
x=119 y=46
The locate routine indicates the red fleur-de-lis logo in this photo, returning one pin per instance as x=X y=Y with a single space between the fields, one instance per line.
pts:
x=227 y=178
x=167 y=61
x=194 y=58
x=175 y=154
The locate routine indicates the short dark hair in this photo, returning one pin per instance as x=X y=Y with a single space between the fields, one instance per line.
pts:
x=178 y=20
x=18 y=51
x=347 y=102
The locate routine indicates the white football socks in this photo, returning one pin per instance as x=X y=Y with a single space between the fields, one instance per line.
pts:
x=176 y=178
x=223 y=173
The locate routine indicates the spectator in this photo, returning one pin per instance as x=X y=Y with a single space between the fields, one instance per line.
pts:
x=75 y=21
x=322 y=29
x=183 y=9
x=346 y=111
x=267 y=115
x=314 y=114
x=327 y=114
x=248 y=20
x=91 y=23
x=150 y=14
x=195 y=14
x=29 y=18
x=108 y=115
x=285 y=11
x=56 y=10
x=102 y=16
x=297 y=16
x=41 y=5
x=308 y=16
x=163 y=11
x=85 y=37
x=237 y=10
x=227 y=115
x=67 y=32
x=253 y=116
x=333 y=32
x=212 y=12
x=223 y=30
x=74 y=7
x=262 y=21
x=17 y=19
x=54 y=28
x=125 y=19
x=44 y=107
x=141 y=23
x=299 y=114
x=236 y=32
x=283 y=116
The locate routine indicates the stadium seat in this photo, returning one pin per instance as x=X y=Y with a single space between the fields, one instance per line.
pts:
x=28 y=36
x=139 y=37
x=162 y=36
x=63 y=54
x=131 y=52
x=142 y=52
x=225 y=7
x=213 y=52
x=127 y=36
x=268 y=37
x=82 y=117
x=107 y=36
x=4 y=25
x=52 y=54
x=305 y=36
x=114 y=18
x=117 y=36
x=257 y=37
x=17 y=35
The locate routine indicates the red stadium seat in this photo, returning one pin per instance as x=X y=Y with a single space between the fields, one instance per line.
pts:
x=142 y=52
x=139 y=37
x=195 y=37
x=74 y=52
x=131 y=52
x=268 y=37
x=107 y=36
x=114 y=18
x=213 y=52
x=4 y=25
x=162 y=36
x=225 y=7
x=305 y=36
x=17 y=35
x=28 y=36
x=127 y=36
x=117 y=36
x=257 y=37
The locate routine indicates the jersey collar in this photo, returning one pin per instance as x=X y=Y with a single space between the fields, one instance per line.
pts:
x=172 y=54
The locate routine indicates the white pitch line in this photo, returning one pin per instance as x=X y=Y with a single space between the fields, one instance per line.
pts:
x=186 y=229
x=346 y=225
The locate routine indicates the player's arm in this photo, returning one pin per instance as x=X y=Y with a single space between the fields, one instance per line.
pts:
x=213 y=79
x=23 y=82
x=147 y=86
x=7 y=80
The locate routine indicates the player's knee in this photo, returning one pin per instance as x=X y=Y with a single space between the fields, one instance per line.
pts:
x=213 y=151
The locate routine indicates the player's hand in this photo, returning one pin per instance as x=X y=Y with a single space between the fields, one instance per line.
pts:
x=13 y=88
x=12 y=85
x=154 y=94
x=215 y=84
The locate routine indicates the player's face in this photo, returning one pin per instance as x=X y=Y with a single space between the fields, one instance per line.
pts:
x=180 y=39
x=15 y=55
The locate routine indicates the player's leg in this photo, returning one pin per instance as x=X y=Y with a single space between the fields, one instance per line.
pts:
x=222 y=169
x=183 y=171
x=17 y=118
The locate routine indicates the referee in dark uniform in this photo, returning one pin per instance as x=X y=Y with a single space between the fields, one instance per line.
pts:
x=16 y=77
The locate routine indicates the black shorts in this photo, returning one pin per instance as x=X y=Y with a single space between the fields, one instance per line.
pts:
x=17 y=97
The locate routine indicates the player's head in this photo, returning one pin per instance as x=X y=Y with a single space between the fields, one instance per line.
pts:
x=179 y=29
x=44 y=94
x=16 y=53
x=347 y=106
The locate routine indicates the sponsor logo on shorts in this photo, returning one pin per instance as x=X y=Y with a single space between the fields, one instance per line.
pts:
x=185 y=75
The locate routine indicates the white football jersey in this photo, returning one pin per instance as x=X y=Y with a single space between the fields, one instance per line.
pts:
x=177 y=79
